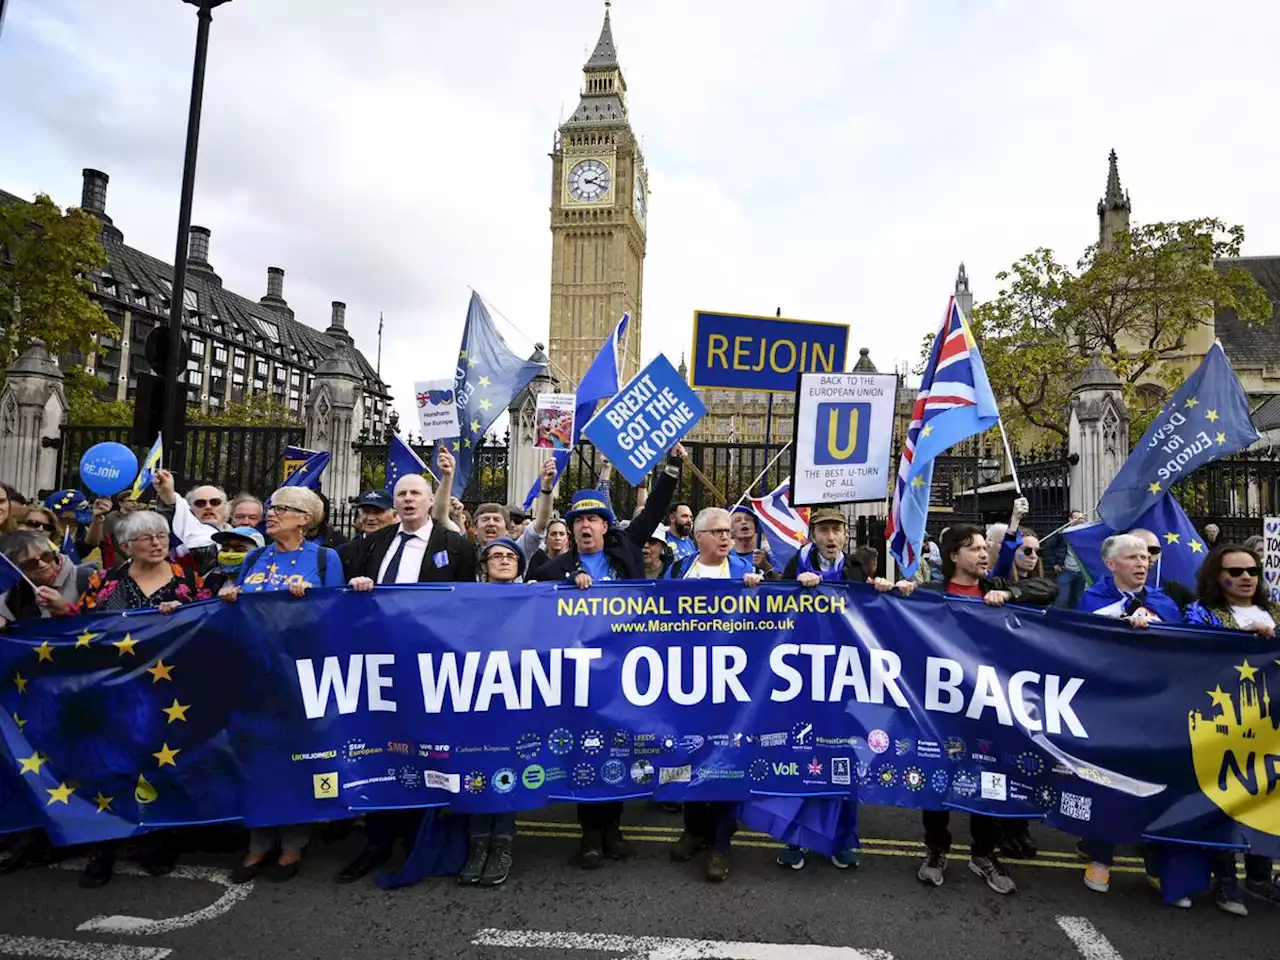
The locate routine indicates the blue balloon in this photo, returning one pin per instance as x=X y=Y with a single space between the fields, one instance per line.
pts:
x=108 y=468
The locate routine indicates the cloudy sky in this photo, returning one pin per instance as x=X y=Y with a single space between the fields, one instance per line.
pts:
x=834 y=159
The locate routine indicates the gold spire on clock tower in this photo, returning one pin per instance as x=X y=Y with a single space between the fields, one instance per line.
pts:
x=599 y=201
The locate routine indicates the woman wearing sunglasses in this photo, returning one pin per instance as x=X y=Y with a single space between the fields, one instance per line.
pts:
x=1233 y=595
x=53 y=575
x=42 y=521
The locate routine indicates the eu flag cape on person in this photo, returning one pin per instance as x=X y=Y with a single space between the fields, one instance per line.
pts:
x=1181 y=548
x=1206 y=419
x=308 y=473
x=785 y=528
x=150 y=464
x=601 y=382
x=402 y=461
x=488 y=378
x=955 y=402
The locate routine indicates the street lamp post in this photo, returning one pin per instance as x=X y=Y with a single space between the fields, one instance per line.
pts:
x=175 y=398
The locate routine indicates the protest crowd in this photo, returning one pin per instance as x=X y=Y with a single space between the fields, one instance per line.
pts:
x=115 y=554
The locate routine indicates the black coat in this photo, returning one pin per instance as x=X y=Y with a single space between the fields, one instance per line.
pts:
x=854 y=572
x=1032 y=592
x=624 y=548
x=367 y=553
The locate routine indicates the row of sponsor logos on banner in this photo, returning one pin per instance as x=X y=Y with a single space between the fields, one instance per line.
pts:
x=648 y=760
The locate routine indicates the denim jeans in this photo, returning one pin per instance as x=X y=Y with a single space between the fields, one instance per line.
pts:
x=713 y=821
x=1070 y=589
x=492 y=825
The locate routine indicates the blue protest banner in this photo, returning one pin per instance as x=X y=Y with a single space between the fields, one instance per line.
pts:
x=739 y=352
x=645 y=419
x=486 y=699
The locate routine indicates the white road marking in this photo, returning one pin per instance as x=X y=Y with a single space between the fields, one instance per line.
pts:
x=144 y=926
x=70 y=950
x=1088 y=940
x=669 y=948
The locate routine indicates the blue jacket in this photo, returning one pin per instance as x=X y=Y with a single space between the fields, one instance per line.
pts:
x=739 y=567
x=1106 y=599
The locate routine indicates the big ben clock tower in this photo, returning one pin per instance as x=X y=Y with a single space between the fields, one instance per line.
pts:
x=599 y=201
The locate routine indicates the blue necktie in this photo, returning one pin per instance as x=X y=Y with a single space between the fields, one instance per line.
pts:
x=393 y=568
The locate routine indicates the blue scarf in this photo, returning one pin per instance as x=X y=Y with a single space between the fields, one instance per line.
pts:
x=1105 y=598
x=804 y=564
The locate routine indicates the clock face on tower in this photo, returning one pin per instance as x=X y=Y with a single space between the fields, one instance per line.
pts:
x=589 y=180
x=639 y=197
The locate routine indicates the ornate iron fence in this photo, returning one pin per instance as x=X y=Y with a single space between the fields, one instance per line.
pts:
x=1235 y=493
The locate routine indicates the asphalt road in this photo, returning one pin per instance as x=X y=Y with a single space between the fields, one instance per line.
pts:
x=645 y=909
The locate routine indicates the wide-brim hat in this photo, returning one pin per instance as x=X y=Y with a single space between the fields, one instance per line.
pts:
x=510 y=545
x=588 y=501
x=827 y=515
x=252 y=534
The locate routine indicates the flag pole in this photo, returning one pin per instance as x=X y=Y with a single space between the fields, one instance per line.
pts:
x=745 y=493
x=1008 y=452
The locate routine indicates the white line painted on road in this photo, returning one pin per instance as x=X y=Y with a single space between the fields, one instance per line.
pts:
x=70 y=950
x=669 y=948
x=1088 y=939
x=144 y=926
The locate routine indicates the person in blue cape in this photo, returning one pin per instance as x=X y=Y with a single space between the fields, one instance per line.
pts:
x=600 y=551
x=1125 y=592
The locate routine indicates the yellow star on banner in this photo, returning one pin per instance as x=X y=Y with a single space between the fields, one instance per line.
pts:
x=177 y=711
x=485 y=404
x=104 y=803
x=1192 y=402
x=484 y=381
x=19 y=721
x=126 y=645
x=1172 y=537
x=161 y=671
x=1247 y=672
x=1212 y=415
x=1153 y=487
x=1220 y=697
x=1196 y=546
x=462 y=354
x=60 y=794
x=20 y=682
x=86 y=638
x=475 y=426
x=1221 y=439
x=455 y=445
x=917 y=482
x=928 y=429
x=44 y=652
x=166 y=756
x=32 y=763
x=466 y=441
x=472 y=363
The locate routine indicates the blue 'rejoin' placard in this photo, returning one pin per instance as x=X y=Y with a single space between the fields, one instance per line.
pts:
x=763 y=353
x=645 y=420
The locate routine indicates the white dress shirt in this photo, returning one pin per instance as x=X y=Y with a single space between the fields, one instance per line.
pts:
x=415 y=552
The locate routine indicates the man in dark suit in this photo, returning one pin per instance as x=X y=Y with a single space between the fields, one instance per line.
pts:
x=599 y=550
x=415 y=550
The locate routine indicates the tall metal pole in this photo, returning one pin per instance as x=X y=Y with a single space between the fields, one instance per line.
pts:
x=175 y=393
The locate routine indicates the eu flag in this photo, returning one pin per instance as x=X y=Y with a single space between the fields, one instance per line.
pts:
x=1207 y=418
x=294 y=457
x=600 y=382
x=10 y=575
x=954 y=403
x=488 y=378
x=402 y=461
x=1181 y=549
x=308 y=472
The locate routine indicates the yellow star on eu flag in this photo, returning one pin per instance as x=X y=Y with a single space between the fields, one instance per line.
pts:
x=466 y=441
x=475 y=426
x=161 y=671
x=1247 y=672
x=485 y=404
x=917 y=482
x=1212 y=416
x=1221 y=439
x=32 y=763
x=472 y=363
x=166 y=756
x=484 y=381
x=455 y=445
x=1192 y=402
x=126 y=645
x=86 y=638
x=20 y=682
x=1220 y=697
x=19 y=721
x=60 y=794
x=1172 y=537
x=1153 y=487
x=1196 y=546
x=44 y=652
x=177 y=712
x=103 y=802
x=928 y=429
x=462 y=354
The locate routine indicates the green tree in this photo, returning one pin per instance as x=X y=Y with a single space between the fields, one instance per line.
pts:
x=1136 y=305
x=85 y=406
x=257 y=410
x=47 y=256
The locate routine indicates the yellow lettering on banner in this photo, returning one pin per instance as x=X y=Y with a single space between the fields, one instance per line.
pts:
x=740 y=358
x=833 y=430
x=804 y=603
x=718 y=345
x=825 y=363
x=773 y=356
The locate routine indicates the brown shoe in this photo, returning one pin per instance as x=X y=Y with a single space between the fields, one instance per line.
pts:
x=687 y=847
x=718 y=866
x=591 y=850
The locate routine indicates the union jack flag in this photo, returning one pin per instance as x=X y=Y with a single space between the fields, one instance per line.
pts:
x=955 y=402
x=785 y=527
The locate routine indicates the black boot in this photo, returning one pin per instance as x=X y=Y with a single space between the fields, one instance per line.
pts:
x=98 y=871
x=591 y=850
x=370 y=858
x=498 y=865
x=477 y=855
